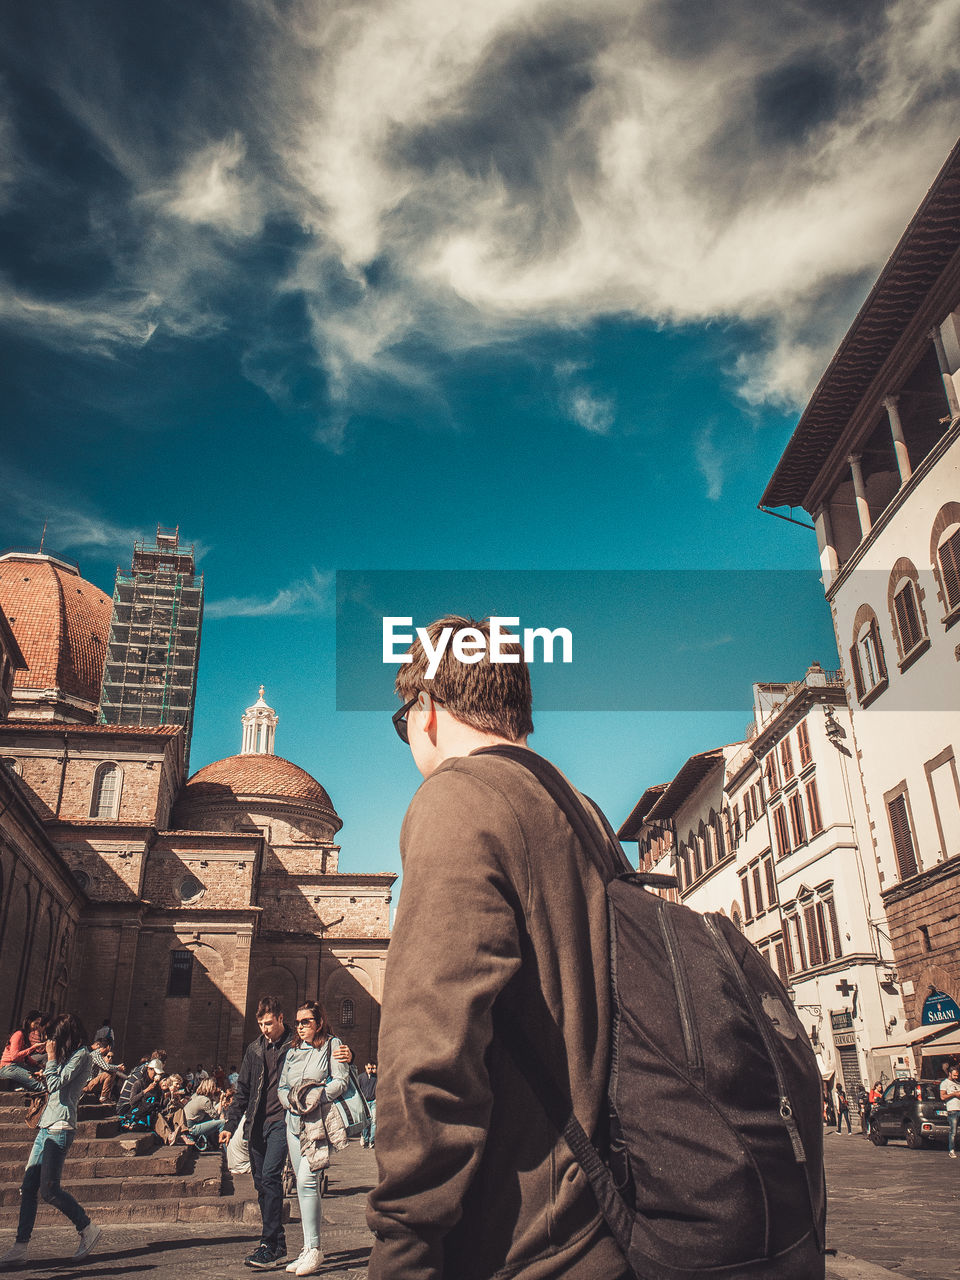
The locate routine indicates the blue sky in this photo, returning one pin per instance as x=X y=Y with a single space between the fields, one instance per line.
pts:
x=413 y=286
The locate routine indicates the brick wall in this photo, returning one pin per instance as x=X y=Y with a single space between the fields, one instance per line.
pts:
x=922 y=914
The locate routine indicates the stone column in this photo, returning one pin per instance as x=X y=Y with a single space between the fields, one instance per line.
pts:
x=945 y=371
x=863 y=507
x=899 y=443
x=829 y=560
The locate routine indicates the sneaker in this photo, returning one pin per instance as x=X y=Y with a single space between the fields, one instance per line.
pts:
x=16 y=1254
x=310 y=1263
x=292 y=1266
x=952 y=1155
x=266 y=1258
x=89 y=1239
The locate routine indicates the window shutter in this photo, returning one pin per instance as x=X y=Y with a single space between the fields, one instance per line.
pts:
x=757 y=890
x=787 y=949
x=949 y=554
x=834 y=928
x=813 y=804
x=771 y=881
x=878 y=650
x=857 y=673
x=813 y=941
x=902 y=837
x=908 y=618
x=745 y=889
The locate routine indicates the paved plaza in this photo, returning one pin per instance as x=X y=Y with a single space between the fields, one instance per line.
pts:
x=893 y=1213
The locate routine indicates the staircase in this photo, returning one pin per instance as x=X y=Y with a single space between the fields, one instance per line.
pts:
x=123 y=1177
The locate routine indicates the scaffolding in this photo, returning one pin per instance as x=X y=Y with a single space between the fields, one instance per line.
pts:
x=150 y=672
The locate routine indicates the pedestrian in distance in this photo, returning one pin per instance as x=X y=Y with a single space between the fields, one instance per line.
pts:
x=502 y=921
x=67 y=1070
x=843 y=1109
x=257 y=1108
x=23 y=1054
x=950 y=1094
x=367 y=1082
x=310 y=1059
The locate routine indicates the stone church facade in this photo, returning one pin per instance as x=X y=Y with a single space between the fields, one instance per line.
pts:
x=127 y=889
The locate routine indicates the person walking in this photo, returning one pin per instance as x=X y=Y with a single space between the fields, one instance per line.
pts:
x=502 y=923
x=367 y=1081
x=309 y=1060
x=67 y=1070
x=256 y=1104
x=23 y=1054
x=950 y=1093
x=843 y=1109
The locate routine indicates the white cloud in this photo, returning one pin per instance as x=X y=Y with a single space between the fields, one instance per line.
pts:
x=710 y=463
x=464 y=175
x=306 y=595
x=69 y=525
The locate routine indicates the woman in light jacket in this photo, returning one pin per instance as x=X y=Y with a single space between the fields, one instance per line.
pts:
x=311 y=1059
x=68 y=1068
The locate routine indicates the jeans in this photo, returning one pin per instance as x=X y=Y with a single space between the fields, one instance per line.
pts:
x=370 y=1129
x=22 y=1078
x=843 y=1113
x=43 y=1175
x=308 y=1193
x=268 y=1155
x=952 y=1118
x=210 y=1129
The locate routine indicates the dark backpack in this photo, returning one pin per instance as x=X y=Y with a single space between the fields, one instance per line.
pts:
x=713 y=1164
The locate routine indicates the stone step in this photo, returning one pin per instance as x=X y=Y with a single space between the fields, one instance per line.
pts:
x=130 y=1144
x=132 y=1188
x=165 y=1160
x=205 y=1208
x=20 y=1131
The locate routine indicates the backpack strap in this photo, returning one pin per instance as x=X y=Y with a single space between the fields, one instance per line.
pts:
x=589 y=826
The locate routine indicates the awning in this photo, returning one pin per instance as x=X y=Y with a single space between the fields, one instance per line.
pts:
x=941 y=1035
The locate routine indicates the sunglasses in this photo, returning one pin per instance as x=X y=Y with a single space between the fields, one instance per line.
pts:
x=399 y=718
x=305 y=1022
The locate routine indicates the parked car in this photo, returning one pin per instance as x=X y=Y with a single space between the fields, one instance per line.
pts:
x=911 y=1110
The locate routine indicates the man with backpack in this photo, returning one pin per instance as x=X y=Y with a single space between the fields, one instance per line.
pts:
x=502 y=924
x=509 y=1113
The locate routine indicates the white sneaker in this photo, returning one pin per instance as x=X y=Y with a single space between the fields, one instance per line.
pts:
x=309 y=1263
x=292 y=1266
x=14 y=1256
x=89 y=1239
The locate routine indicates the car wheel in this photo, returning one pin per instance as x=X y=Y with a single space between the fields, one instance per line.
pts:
x=876 y=1137
x=913 y=1136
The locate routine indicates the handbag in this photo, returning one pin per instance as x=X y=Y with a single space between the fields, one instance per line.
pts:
x=35 y=1109
x=353 y=1107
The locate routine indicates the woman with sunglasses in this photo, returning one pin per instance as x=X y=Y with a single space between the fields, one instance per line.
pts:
x=311 y=1059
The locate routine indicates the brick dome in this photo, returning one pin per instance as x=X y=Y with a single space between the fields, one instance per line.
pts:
x=255 y=776
x=61 y=623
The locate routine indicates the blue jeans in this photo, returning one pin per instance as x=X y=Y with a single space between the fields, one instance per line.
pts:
x=22 y=1078
x=952 y=1118
x=210 y=1129
x=370 y=1129
x=43 y=1175
x=268 y=1155
x=308 y=1193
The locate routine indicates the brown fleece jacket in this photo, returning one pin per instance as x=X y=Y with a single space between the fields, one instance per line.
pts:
x=502 y=917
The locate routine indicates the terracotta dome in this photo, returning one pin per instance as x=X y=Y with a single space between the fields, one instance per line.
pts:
x=255 y=775
x=61 y=623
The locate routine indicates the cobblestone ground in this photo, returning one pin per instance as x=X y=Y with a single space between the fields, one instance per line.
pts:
x=893 y=1212
x=894 y=1207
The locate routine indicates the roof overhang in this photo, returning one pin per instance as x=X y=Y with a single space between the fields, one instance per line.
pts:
x=630 y=830
x=685 y=783
x=926 y=248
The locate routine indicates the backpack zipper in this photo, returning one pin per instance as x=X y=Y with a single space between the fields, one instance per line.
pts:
x=688 y=1026
x=763 y=1023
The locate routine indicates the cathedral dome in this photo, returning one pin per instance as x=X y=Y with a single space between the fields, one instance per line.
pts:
x=62 y=623
x=250 y=777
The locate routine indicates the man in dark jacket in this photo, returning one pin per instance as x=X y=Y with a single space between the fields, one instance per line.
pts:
x=502 y=923
x=264 y=1128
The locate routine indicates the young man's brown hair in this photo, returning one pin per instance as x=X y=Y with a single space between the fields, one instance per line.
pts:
x=493 y=697
x=270 y=1004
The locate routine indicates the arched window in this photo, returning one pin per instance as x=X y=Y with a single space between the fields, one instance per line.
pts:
x=866 y=654
x=347 y=1013
x=106 y=791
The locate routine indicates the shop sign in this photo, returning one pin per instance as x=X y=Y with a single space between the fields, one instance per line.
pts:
x=939 y=1007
